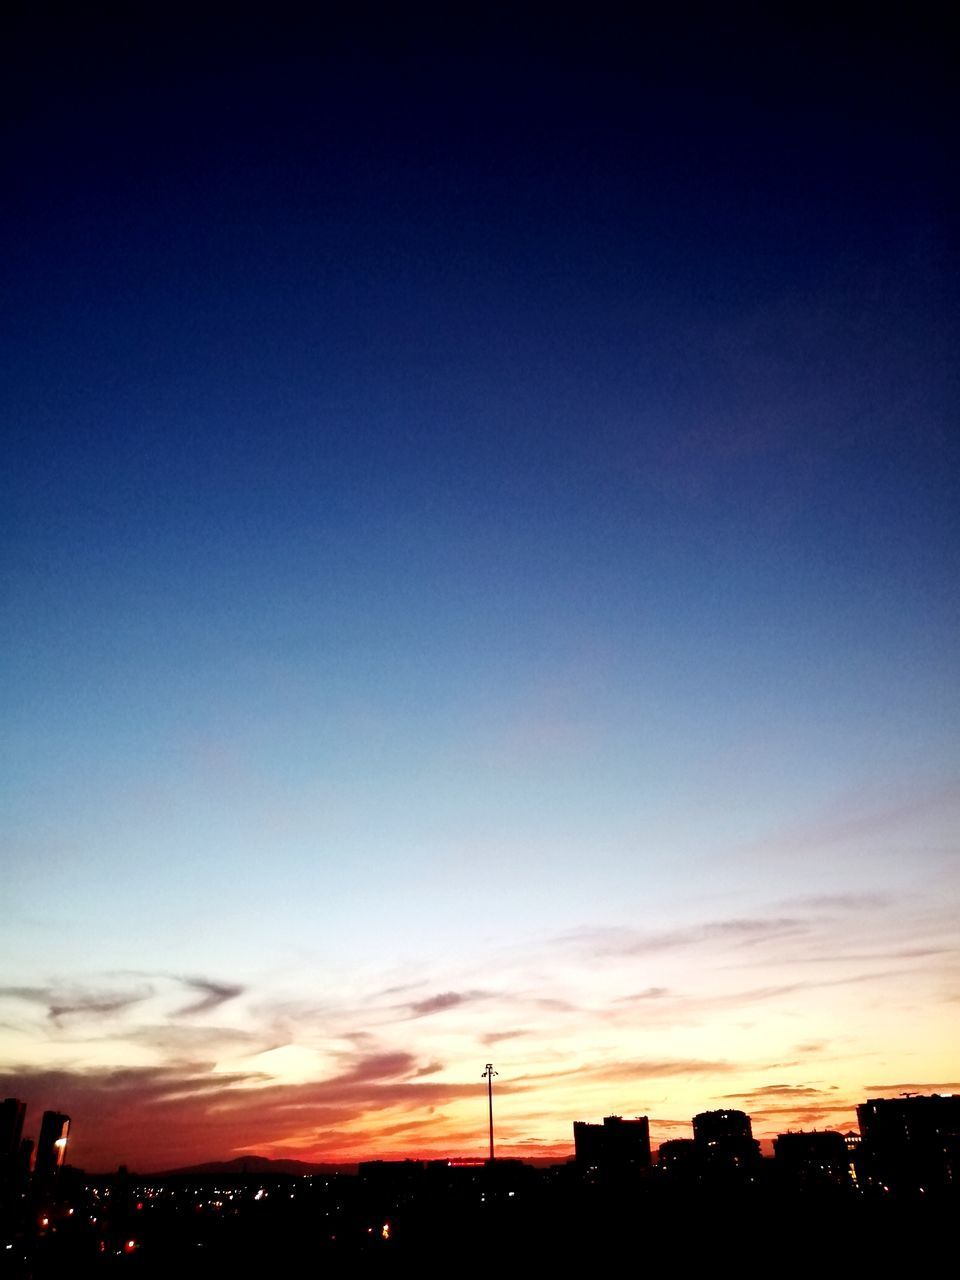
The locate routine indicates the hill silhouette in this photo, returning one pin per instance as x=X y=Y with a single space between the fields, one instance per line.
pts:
x=263 y=1165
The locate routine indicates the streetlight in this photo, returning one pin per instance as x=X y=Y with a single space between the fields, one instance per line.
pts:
x=488 y=1075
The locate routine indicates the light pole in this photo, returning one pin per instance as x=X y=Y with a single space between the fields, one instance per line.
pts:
x=488 y=1075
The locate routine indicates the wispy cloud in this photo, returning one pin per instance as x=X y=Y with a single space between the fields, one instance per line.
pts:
x=92 y=1006
x=635 y=1070
x=179 y=1041
x=69 y=1002
x=856 y=817
x=640 y=1069
x=443 y=1001
x=857 y=957
x=148 y=1084
x=610 y=942
x=495 y=1037
x=376 y=1066
x=804 y=1113
x=952 y=1086
x=850 y=902
x=673 y=1004
x=778 y=1091
x=213 y=994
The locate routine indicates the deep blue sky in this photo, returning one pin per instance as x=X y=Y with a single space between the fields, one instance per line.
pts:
x=404 y=339
x=494 y=439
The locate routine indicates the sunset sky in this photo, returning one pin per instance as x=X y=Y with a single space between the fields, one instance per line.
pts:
x=479 y=530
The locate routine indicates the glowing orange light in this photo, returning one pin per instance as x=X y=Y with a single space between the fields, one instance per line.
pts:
x=385 y=1231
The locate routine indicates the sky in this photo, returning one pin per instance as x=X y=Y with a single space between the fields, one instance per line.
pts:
x=478 y=516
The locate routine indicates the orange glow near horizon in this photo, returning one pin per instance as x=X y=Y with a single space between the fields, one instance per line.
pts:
x=596 y=1047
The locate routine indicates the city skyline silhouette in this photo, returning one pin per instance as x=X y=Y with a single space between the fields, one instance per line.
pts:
x=894 y=1181
x=479 y=530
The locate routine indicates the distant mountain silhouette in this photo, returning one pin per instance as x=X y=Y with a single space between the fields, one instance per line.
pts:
x=261 y=1164
x=301 y=1168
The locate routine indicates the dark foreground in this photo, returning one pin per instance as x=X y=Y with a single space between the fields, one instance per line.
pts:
x=679 y=1232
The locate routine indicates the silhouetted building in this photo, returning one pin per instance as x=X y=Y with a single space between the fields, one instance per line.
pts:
x=909 y=1144
x=724 y=1142
x=12 y=1111
x=51 y=1145
x=812 y=1161
x=588 y=1143
x=710 y=1127
x=617 y=1145
x=677 y=1158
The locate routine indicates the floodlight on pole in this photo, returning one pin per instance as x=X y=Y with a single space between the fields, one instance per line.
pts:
x=488 y=1075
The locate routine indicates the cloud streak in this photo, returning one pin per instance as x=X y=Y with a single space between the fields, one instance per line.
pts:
x=614 y=942
x=859 y=817
x=778 y=1091
x=213 y=995
x=444 y=1001
x=76 y=1002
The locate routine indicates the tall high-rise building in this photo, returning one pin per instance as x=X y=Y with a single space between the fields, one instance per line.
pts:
x=12 y=1111
x=588 y=1143
x=909 y=1144
x=617 y=1145
x=724 y=1141
x=721 y=1126
x=52 y=1144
